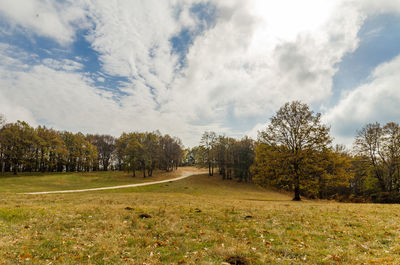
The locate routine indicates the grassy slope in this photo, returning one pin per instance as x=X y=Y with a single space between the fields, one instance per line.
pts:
x=30 y=182
x=95 y=227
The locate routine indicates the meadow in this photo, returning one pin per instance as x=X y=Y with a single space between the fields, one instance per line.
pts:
x=198 y=220
x=31 y=182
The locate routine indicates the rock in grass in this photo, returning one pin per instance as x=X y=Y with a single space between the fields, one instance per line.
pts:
x=128 y=208
x=248 y=217
x=197 y=210
x=144 y=216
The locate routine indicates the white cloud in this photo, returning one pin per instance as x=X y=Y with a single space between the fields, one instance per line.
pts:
x=67 y=100
x=64 y=64
x=372 y=7
x=376 y=100
x=234 y=66
x=52 y=19
x=258 y=55
x=253 y=133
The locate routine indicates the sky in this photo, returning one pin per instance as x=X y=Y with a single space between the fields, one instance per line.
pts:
x=188 y=66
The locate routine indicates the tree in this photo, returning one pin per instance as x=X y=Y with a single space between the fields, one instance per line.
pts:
x=105 y=145
x=292 y=139
x=23 y=148
x=82 y=155
x=190 y=156
x=152 y=151
x=17 y=141
x=244 y=158
x=2 y=156
x=171 y=152
x=128 y=148
x=146 y=151
x=221 y=155
x=2 y=120
x=50 y=150
x=207 y=142
x=332 y=173
x=381 y=145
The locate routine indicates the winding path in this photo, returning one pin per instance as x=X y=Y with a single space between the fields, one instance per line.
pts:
x=184 y=175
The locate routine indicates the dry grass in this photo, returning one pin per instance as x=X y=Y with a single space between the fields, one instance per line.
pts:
x=199 y=220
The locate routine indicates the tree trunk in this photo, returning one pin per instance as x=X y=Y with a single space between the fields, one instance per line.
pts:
x=37 y=159
x=2 y=166
x=321 y=187
x=297 y=189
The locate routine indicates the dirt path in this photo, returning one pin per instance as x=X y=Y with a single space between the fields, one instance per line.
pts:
x=184 y=175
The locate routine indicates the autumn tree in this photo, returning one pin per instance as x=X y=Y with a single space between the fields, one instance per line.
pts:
x=171 y=152
x=243 y=159
x=151 y=144
x=207 y=144
x=147 y=151
x=128 y=148
x=82 y=155
x=24 y=148
x=293 y=138
x=331 y=173
x=50 y=150
x=221 y=155
x=177 y=152
x=166 y=143
x=17 y=141
x=380 y=146
x=232 y=157
x=105 y=145
x=2 y=158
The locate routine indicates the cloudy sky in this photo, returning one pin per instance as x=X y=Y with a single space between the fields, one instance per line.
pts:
x=184 y=67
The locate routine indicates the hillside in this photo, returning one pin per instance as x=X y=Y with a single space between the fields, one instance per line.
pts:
x=198 y=220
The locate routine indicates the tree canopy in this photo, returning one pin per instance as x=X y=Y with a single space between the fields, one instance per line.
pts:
x=24 y=148
x=293 y=139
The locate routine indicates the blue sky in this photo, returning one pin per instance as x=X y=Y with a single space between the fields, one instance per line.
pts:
x=184 y=67
x=379 y=42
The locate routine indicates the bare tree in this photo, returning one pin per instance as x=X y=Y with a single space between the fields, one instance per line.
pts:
x=2 y=120
x=208 y=141
x=382 y=147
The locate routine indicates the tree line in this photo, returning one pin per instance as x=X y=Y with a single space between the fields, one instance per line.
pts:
x=295 y=153
x=27 y=149
x=232 y=158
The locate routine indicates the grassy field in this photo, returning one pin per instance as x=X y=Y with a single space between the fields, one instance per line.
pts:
x=198 y=220
x=30 y=182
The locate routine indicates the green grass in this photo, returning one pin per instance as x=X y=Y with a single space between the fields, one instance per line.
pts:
x=31 y=182
x=199 y=220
